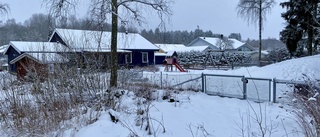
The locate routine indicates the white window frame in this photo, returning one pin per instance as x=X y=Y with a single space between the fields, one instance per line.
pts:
x=144 y=54
x=126 y=58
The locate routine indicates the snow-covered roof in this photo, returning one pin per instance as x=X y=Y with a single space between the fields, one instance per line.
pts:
x=168 y=47
x=26 y=46
x=78 y=39
x=43 y=58
x=264 y=52
x=160 y=54
x=236 y=43
x=188 y=49
x=213 y=41
x=170 y=53
x=104 y=50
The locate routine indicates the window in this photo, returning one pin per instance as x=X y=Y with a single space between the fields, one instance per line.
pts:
x=145 y=57
x=108 y=60
x=128 y=58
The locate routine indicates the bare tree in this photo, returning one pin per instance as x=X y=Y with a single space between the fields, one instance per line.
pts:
x=4 y=8
x=224 y=43
x=131 y=10
x=255 y=11
x=60 y=8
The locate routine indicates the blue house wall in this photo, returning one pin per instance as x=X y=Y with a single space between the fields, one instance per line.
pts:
x=121 y=59
x=136 y=54
x=137 y=57
x=159 y=59
x=12 y=54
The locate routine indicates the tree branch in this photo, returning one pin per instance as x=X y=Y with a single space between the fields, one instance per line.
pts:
x=4 y=8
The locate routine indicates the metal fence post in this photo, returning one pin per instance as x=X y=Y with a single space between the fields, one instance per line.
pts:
x=270 y=90
x=244 y=81
x=203 y=82
x=274 y=90
x=161 y=79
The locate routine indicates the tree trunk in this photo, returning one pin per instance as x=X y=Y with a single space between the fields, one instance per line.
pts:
x=114 y=56
x=315 y=14
x=260 y=31
x=310 y=37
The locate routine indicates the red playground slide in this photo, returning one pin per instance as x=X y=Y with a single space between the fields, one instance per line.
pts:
x=179 y=67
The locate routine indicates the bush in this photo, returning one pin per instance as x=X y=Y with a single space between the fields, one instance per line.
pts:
x=306 y=100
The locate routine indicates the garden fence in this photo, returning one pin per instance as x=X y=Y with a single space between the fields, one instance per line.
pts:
x=235 y=86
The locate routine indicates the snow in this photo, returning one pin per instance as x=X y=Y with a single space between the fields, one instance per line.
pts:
x=197 y=114
x=26 y=46
x=188 y=49
x=236 y=43
x=3 y=48
x=43 y=58
x=106 y=50
x=169 y=47
x=78 y=39
x=160 y=54
x=213 y=41
x=293 y=69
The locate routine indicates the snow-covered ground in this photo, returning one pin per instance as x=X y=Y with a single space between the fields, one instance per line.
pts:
x=199 y=115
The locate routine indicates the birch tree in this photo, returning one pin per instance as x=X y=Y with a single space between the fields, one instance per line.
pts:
x=254 y=11
x=4 y=8
x=132 y=11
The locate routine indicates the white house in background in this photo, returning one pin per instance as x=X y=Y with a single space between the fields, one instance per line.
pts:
x=169 y=50
x=164 y=48
x=194 y=48
x=216 y=43
x=234 y=46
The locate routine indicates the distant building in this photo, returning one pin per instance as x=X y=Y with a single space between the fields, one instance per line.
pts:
x=218 y=43
x=166 y=50
x=230 y=46
x=25 y=58
x=132 y=48
x=77 y=48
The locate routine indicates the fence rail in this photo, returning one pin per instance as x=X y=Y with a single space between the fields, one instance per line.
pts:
x=236 y=86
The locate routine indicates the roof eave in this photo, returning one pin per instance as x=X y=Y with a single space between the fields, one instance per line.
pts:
x=11 y=44
x=22 y=56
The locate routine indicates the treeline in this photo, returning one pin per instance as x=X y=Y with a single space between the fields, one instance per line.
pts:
x=267 y=44
x=39 y=27
x=180 y=37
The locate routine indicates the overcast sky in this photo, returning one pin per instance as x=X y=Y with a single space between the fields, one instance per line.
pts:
x=219 y=16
